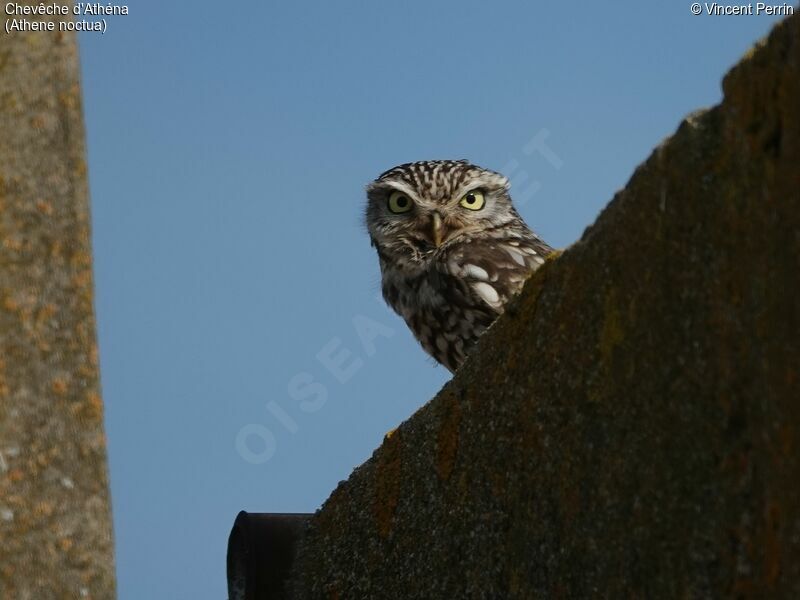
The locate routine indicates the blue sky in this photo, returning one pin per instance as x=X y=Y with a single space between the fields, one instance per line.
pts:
x=228 y=152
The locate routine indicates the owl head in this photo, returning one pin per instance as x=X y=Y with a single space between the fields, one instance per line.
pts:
x=416 y=210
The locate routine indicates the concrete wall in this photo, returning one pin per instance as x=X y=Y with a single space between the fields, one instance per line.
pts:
x=631 y=426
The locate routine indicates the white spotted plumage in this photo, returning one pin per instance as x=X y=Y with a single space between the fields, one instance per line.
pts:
x=449 y=268
x=487 y=292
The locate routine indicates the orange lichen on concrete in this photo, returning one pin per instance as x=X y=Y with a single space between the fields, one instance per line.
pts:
x=387 y=483
x=612 y=333
x=59 y=386
x=447 y=438
x=92 y=408
x=46 y=208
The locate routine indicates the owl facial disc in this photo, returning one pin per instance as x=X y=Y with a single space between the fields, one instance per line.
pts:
x=452 y=250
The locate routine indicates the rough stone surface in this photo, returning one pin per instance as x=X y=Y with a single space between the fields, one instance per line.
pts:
x=631 y=427
x=55 y=526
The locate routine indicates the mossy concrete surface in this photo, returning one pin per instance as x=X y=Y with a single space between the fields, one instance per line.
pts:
x=631 y=426
x=55 y=525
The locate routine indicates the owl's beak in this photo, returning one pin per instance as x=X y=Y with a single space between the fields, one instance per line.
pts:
x=437 y=229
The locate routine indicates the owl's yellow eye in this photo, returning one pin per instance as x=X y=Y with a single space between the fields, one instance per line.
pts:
x=473 y=200
x=399 y=203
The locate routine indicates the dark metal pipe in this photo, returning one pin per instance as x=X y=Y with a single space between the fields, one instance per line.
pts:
x=261 y=550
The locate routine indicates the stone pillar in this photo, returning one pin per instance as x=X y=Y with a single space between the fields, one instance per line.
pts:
x=55 y=525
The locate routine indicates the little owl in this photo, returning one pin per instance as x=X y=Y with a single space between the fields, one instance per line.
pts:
x=452 y=250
